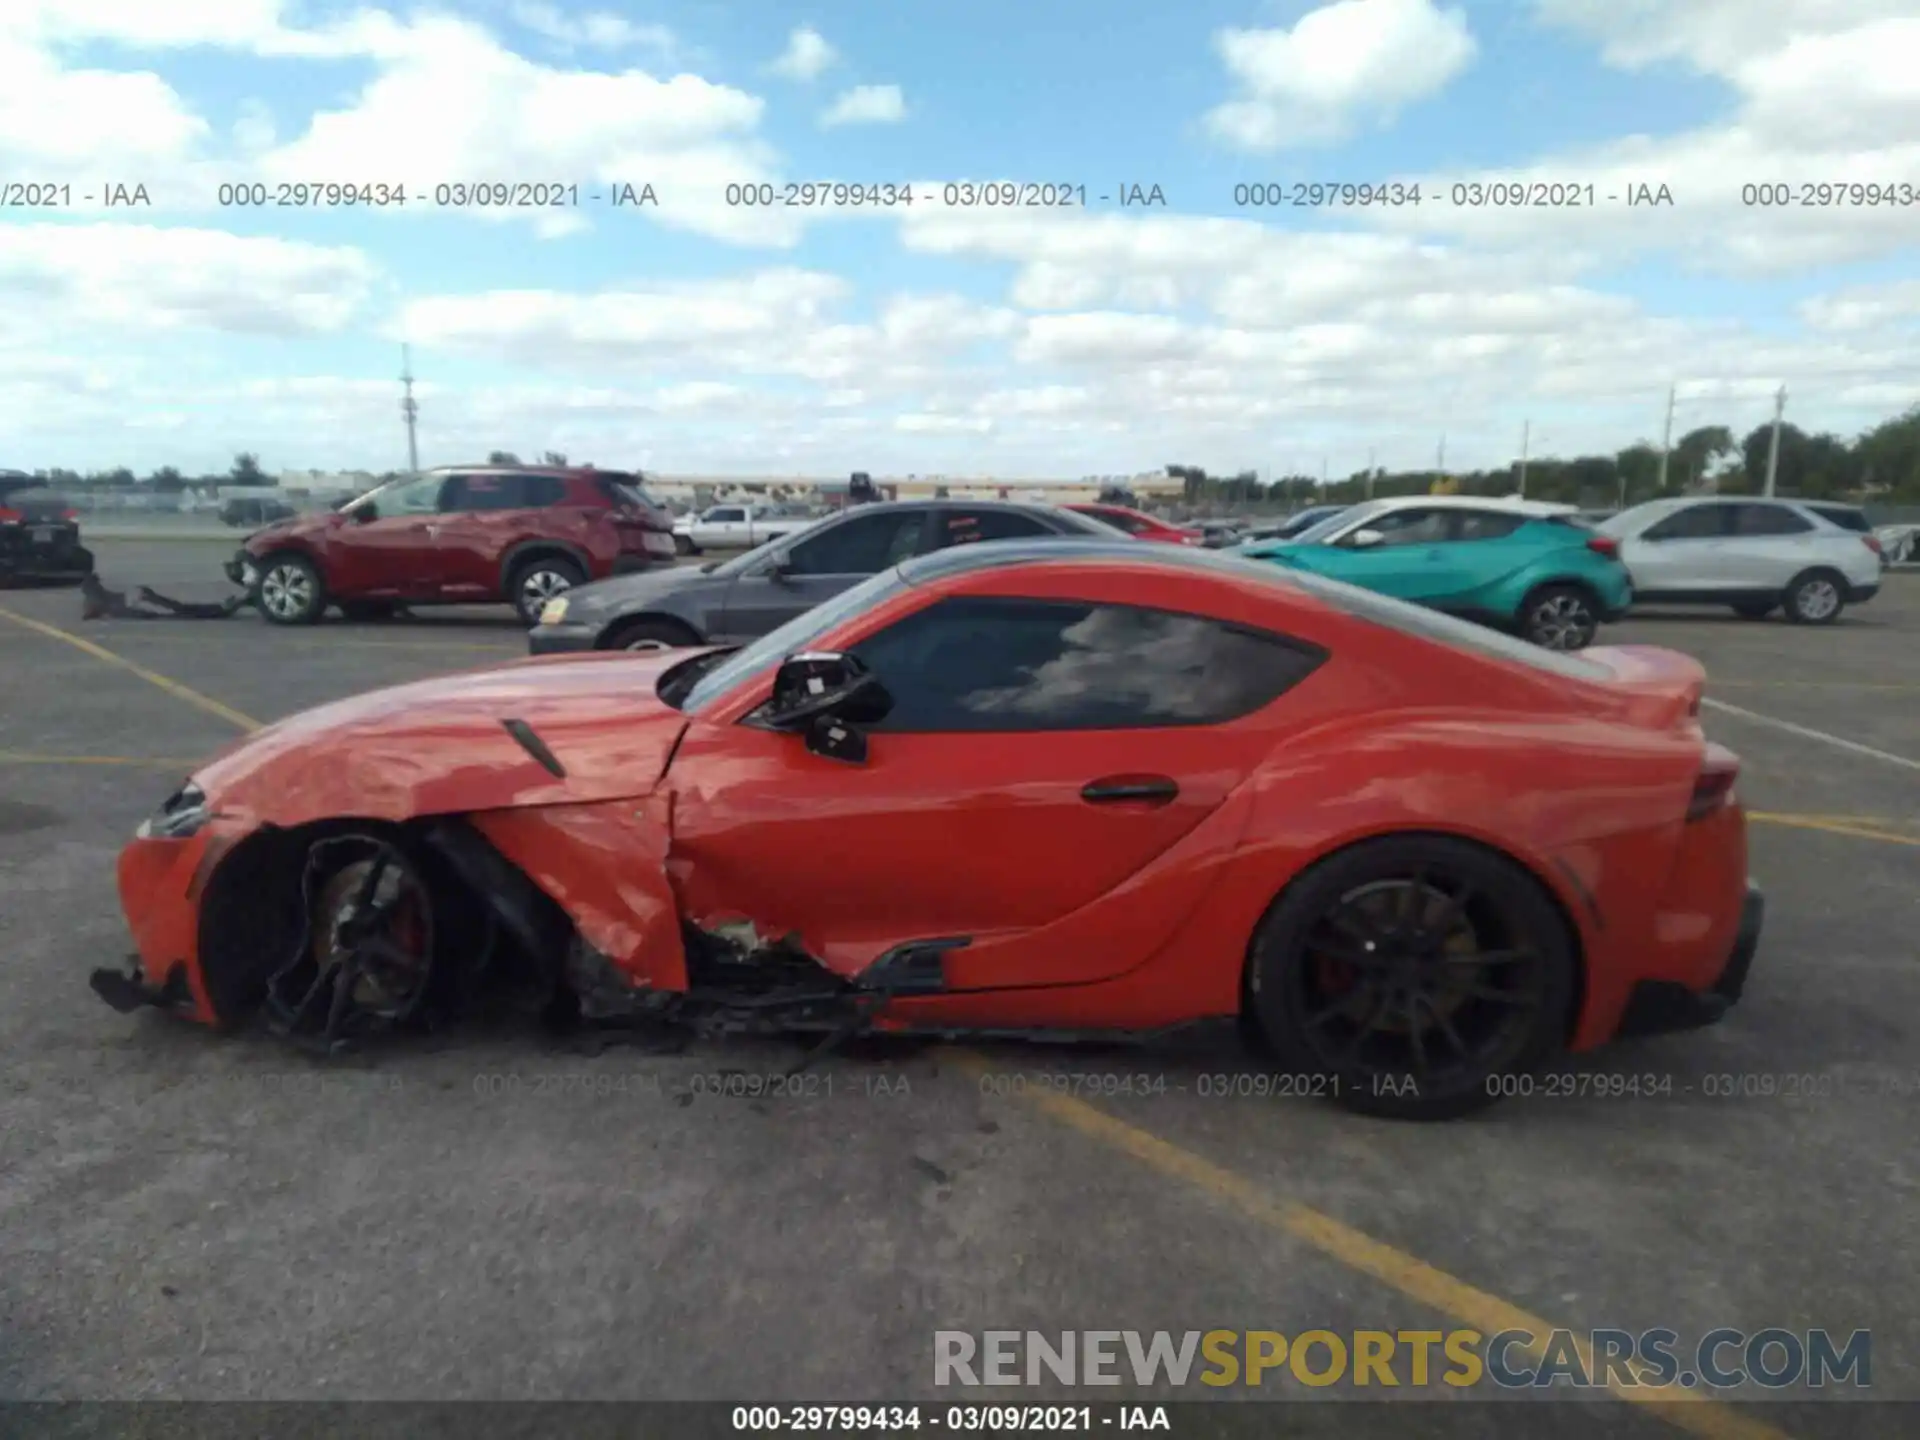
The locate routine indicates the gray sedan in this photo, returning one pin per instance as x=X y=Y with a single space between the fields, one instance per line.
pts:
x=741 y=599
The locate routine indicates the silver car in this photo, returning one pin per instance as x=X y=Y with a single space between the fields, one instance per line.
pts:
x=1753 y=555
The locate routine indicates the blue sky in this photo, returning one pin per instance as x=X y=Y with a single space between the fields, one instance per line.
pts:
x=701 y=339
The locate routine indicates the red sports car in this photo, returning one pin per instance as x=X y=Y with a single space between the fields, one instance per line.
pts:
x=1014 y=787
x=1141 y=525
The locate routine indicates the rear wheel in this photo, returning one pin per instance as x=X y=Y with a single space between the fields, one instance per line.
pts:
x=1415 y=977
x=684 y=546
x=1754 y=610
x=535 y=582
x=1816 y=598
x=290 y=591
x=1560 y=617
x=649 y=634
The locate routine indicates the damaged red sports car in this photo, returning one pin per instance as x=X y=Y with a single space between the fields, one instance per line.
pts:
x=1006 y=788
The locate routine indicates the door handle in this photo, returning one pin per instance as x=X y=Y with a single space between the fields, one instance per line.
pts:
x=1121 y=789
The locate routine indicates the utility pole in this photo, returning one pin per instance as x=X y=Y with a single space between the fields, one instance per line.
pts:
x=1440 y=460
x=1526 y=433
x=1370 y=454
x=1666 y=437
x=1773 y=446
x=410 y=408
x=1323 y=478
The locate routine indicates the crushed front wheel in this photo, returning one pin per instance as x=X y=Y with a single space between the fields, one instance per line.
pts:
x=369 y=956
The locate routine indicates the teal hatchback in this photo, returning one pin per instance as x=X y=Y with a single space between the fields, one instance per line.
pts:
x=1533 y=569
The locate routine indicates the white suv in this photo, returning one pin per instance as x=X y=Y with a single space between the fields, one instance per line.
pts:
x=1751 y=554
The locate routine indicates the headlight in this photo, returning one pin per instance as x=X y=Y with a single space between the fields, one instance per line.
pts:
x=554 y=611
x=181 y=815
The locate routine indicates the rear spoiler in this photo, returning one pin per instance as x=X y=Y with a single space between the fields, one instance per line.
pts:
x=1661 y=688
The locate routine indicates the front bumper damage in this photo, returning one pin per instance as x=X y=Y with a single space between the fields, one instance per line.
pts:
x=1661 y=1006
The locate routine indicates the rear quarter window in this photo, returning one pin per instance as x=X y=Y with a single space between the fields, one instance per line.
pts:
x=1845 y=516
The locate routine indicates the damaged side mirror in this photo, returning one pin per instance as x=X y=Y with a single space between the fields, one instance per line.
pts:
x=825 y=695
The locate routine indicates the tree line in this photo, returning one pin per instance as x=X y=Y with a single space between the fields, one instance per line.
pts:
x=1883 y=462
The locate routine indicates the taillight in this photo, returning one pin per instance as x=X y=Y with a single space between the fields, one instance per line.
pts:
x=69 y=515
x=1713 y=787
x=1604 y=545
x=10 y=517
x=1872 y=542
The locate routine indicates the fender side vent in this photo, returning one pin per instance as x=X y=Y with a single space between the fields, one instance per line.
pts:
x=535 y=746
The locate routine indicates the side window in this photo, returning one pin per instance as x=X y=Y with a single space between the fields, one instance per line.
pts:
x=724 y=514
x=414 y=497
x=1409 y=527
x=965 y=527
x=1768 y=520
x=1485 y=524
x=1696 y=522
x=864 y=545
x=975 y=663
x=496 y=492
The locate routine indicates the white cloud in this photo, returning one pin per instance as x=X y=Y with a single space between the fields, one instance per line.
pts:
x=454 y=105
x=1823 y=94
x=134 y=278
x=599 y=29
x=1342 y=66
x=446 y=102
x=867 y=105
x=1865 y=308
x=807 y=56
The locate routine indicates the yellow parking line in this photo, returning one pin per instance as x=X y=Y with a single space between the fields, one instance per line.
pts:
x=1688 y=1409
x=1859 y=827
x=172 y=687
x=21 y=757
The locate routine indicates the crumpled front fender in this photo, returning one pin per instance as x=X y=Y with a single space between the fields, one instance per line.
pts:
x=606 y=866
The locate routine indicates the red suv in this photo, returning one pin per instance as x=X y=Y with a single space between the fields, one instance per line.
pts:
x=463 y=535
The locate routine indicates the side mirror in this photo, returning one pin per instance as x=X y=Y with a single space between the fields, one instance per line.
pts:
x=364 y=514
x=1365 y=539
x=823 y=694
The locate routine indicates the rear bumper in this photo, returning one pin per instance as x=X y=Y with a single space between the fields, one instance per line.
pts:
x=1659 y=1006
x=1860 y=594
x=75 y=562
x=238 y=567
x=562 y=639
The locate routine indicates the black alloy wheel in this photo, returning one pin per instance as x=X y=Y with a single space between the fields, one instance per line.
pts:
x=1414 y=978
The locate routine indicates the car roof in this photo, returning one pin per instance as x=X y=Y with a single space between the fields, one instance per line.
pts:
x=1002 y=554
x=1537 y=508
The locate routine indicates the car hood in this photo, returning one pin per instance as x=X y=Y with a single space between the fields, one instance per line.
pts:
x=292 y=525
x=441 y=746
x=643 y=587
x=1285 y=551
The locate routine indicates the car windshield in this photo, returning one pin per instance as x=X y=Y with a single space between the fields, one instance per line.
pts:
x=1317 y=532
x=632 y=492
x=796 y=635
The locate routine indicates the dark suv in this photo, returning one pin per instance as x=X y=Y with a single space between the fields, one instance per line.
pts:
x=463 y=535
x=39 y=533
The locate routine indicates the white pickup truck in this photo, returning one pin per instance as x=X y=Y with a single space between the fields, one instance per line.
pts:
x=734 y=527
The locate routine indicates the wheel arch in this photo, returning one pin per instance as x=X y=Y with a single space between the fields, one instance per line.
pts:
x=541 y=548
x=1554 y=886
x=610 y=633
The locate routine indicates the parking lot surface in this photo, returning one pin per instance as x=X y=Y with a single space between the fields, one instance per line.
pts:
x=488 y=1215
